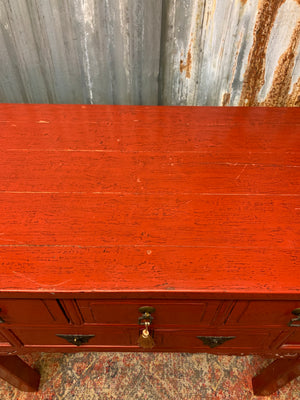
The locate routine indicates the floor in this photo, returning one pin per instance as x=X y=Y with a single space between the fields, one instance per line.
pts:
x=149 y=376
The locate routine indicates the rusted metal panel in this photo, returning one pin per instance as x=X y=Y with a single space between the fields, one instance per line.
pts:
x=80 y=51
x=231 y=52
x=187 y=52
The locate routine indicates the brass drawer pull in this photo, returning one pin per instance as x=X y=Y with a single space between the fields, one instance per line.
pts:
x=78 y=340
x=293 y=321
x=214 y=341
x=145 y=340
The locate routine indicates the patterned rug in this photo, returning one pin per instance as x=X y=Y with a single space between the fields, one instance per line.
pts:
x=147 y=376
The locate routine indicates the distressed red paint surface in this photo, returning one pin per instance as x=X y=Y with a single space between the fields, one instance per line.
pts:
x=149 y=199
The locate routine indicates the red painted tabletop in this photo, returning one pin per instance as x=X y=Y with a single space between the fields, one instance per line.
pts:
x=149 y=199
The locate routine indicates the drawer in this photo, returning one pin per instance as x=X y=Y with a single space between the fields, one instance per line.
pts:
x=263 y=313
x=35 y=311
x=126 y=338
x=91 y=338
x=198 y=313
x=203 y=341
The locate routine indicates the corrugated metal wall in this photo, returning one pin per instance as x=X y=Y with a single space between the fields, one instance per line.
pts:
x=171 y=52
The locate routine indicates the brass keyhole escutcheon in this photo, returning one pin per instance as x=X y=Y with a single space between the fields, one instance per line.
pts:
x=296 y=311
x=146 y=312
x=147 y=309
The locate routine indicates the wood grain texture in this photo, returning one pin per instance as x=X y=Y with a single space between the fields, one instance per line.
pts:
x=180 y=220
x=136 y=172
x=99 y=198
x=238 y=134
x=149 y=268
x=19 y=374
x=275 y=376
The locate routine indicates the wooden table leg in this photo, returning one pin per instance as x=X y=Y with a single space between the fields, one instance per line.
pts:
x=16 y=372
x=276 y=375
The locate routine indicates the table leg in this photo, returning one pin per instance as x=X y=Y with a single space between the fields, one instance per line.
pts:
x=16 y=372
x=276 y=375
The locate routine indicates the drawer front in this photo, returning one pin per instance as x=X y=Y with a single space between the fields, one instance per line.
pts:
x=90 y=338
x=213 y=341
x=33 y=311
x=118 y=338
x=263 y=313
x=198 y=313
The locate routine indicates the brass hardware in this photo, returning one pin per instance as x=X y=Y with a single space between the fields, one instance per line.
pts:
x=146 y=340
x=78 y=340
x=2 y=321
x=146 y=311
x=214 y=341
x=296 y=311
x=293 y=321
x=145 y=317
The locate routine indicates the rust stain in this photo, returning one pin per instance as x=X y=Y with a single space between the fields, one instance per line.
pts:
x=255 y=71
x=188 y=65
x=226 y=99
x=245 y=1
x=293 y=99
x=278 y=94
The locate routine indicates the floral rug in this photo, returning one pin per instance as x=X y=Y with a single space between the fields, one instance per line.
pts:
x=147 y=376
